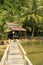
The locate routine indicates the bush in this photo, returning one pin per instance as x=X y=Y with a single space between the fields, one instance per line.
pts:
x=2 y=42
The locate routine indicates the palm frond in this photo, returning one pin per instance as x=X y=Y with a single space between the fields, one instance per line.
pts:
x=40 y=7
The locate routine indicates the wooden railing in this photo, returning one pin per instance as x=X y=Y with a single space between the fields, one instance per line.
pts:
x=5 y=56
x=24 y=54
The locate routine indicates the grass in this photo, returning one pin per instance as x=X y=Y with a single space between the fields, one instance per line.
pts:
x=2 y=49
x=1 y=54
x=34 y=51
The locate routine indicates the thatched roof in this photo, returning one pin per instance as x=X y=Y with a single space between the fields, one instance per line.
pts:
x=15 y=27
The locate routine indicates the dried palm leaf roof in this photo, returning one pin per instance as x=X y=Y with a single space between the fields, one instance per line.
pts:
x=15 y=27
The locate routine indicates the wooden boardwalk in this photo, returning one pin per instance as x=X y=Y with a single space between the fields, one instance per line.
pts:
x=14 y=56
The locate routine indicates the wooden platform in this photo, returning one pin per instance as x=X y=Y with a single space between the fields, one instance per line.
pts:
x=14 y=56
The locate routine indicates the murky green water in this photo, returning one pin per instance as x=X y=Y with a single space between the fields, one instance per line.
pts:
x=34 y=51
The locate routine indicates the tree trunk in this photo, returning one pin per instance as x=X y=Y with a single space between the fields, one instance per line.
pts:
x=33 y=31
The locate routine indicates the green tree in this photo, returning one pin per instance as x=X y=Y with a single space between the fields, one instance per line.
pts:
x=3 y=27
x=35 y=10
x=18 y=10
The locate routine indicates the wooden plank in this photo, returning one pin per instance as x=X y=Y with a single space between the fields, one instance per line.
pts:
x=14 y=64
x=14 y=57
x=15 y=61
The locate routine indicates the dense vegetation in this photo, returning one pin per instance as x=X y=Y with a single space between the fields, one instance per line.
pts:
x=18 y=10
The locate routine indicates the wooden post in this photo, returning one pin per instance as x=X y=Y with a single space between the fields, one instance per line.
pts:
x=25 y=35
x=20 y=35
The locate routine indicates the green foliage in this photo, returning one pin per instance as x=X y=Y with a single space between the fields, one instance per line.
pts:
x=35 y=14
x=18 y=10
x=3 y=27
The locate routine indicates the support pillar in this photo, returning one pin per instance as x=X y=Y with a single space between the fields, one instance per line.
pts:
x=25 y=35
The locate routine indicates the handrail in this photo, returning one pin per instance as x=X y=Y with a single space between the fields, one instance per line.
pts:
x=4 y=58
x=27 y=61
x=20 y=46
